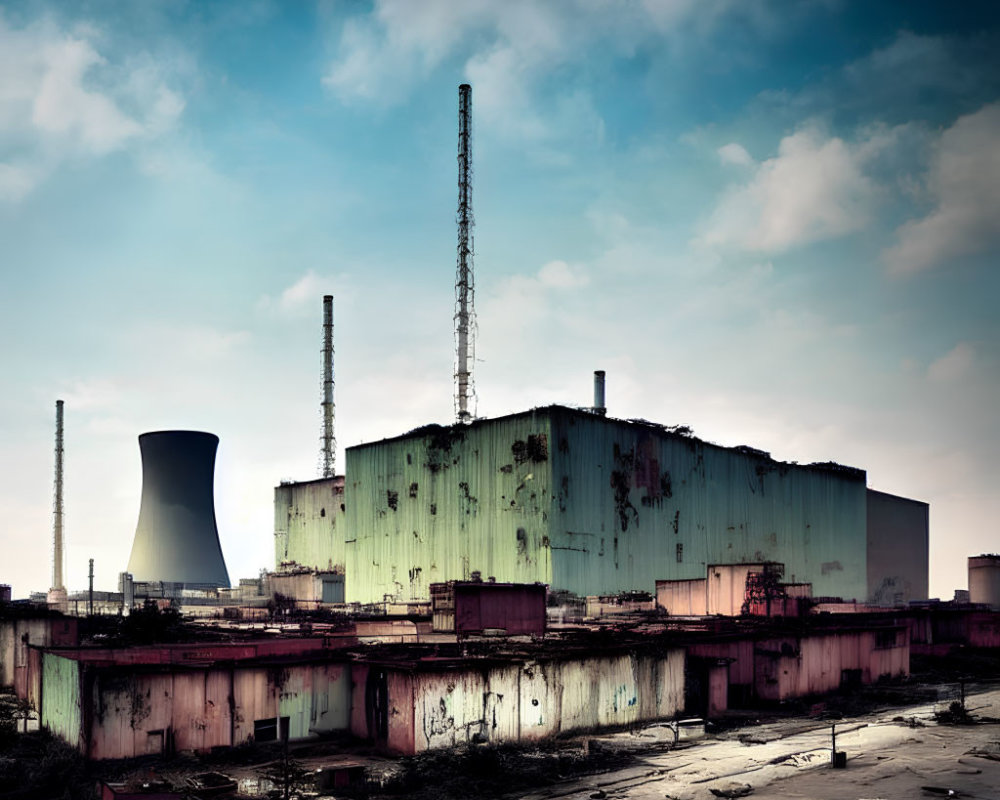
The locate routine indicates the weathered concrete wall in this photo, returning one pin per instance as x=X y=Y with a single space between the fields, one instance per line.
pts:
x=898 y=549
x=442 y=504
x=17 y=633
x=538 y=700
x=127 y=713
x=635 y=504
x=727 y=585
x=788 y=668
x=309 y=523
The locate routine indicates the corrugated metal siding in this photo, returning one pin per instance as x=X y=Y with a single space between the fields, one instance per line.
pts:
x=437 y=507
x=60 y=711
x=635 y=505
x=308 y=524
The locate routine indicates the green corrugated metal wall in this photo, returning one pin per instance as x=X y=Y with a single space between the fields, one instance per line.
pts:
x=448 y=503
x=308 y=524
x=60 y=711
x=590 y=505
x=628 y=495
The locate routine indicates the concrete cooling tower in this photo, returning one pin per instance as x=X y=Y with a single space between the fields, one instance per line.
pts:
x=176 y=539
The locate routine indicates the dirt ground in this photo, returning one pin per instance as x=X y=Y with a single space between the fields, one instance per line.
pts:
x=891 y=755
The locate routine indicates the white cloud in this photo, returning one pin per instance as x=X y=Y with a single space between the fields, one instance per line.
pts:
x=506 y=48
x=734 y=153
x=964 y=183
x=955 y=365
x=522 y=301
x=814 y=189
x=306 y=293
x=559 y=275
x=60 y=98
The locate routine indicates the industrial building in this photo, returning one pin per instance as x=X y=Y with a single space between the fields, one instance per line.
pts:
x=591 y=505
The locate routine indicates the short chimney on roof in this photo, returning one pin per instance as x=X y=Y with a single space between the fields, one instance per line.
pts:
x=599 y=406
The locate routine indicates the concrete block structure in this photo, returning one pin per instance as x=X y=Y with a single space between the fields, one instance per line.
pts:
x=897 y=549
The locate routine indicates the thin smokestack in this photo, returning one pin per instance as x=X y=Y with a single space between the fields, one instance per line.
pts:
x=599 y=406
x=57 y=505
x=465 y=287
x=329 y=448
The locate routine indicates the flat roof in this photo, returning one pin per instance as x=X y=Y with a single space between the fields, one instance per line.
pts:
x=679 y=432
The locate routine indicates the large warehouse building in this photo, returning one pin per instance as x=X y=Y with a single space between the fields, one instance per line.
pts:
x=593 y=506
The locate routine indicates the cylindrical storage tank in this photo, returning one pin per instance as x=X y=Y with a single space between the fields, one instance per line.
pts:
x=176 y=538
x=984 y=580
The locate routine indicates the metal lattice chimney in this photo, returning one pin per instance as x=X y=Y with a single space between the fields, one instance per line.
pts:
x=176 y=538
x=599 y=404
x=57 y=506
x=328 y=451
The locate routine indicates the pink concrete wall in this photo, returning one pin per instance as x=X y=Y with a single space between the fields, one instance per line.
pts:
x=788 y=668
x=402 y=736
x=683 y=598
x=727 y=587
x=718 y=690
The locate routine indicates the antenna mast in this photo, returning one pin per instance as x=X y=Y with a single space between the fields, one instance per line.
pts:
x=465 y=290
x=57 y=505
x=329 y=448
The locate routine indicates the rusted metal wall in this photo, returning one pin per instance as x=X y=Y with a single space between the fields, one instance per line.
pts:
x=445 y=503
x=309 y=523
x=635 y=504
x=898 y=549
x=539 y=700
x=684 y=598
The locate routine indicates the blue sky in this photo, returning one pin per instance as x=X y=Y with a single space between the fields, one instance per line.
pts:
x=776 y=222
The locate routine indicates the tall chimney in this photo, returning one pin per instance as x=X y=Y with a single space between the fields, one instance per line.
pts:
x=465 y=288
x=57 y=506
x=329 y=448
x=599 y=406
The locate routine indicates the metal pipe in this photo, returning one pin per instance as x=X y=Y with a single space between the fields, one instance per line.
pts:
x=57 y=511
x=599 y=406
x=329 y=448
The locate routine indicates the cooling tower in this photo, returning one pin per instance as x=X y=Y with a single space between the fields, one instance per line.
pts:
x=176 y=539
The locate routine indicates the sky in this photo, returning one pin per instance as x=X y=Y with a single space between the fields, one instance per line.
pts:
x=777 y=223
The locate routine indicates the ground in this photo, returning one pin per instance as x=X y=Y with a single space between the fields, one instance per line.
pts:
x=890 y=755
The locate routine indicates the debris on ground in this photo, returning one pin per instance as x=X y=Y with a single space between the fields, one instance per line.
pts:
x=735 y=790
